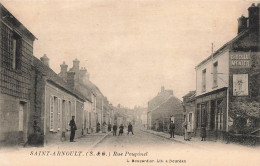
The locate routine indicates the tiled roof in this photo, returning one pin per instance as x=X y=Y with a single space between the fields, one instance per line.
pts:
x=171 y=106
x=7 y=15
x=54 y=78
x=158 y=100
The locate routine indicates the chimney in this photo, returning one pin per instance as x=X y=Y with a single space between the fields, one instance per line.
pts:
x=83 y=75
x=162 y=89
x=254 y=15
x=76 y=65
x=45 y=60
x=63 y=70
x=242 y=24
x=63 y=67
x=70 y=79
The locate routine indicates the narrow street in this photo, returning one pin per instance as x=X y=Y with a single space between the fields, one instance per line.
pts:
x=140 y=138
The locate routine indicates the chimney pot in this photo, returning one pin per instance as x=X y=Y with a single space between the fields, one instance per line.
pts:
x=242 y=24
x=45 y=60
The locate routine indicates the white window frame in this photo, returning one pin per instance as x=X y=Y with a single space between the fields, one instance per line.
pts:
x=204 y=77
x=59 y=112
x=215 y=76
x=52 y=113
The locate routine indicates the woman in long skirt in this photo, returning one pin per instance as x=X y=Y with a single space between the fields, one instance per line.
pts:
x=186 y=134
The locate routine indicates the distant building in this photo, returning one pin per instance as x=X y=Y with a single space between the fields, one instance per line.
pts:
x=155 y=102
x=228 y=81
x=16 y=54
x=98 y=108
x=140 y=114
x=163 y=109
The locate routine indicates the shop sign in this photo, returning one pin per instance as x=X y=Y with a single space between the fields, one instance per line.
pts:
x=240 y=59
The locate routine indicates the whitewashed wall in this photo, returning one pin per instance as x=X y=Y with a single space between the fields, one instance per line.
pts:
x=222 y=76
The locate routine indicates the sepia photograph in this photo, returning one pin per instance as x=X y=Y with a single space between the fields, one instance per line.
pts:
x=129 y=82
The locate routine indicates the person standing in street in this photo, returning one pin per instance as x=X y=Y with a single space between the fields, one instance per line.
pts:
x=130 y=128
x=114 y=129
x=186 y=134
x=172 y=128
x=73 y=129
x=121 y=129
x=98 y=127
x=109 y=127
x=203 y=132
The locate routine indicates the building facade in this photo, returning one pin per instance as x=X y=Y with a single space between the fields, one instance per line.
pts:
x=163 y=109
x=15 y=64
x=227 y=85
x=55 y=103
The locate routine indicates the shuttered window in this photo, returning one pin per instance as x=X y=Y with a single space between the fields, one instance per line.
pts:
x=51 y=113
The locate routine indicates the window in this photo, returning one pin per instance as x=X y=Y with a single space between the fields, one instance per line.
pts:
x=59 y=114
x=190 y=117
x=204 y=80
x=215 y=76
x=21 y=114
x=52 y=113
x=220 y=118
x=68 y=116
x=198 y=116
x=16 y=51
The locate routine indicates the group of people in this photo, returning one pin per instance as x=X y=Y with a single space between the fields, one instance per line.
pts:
x=121 y=129
x=187 y=136
x=73 y=129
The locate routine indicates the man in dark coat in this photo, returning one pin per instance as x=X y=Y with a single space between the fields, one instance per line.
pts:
x=98 y=127
x=109 y=127
x=203 y=132
x=172 y=128
x=121 y=129
x=130 y=128
x=73 y=129
x=114 y=129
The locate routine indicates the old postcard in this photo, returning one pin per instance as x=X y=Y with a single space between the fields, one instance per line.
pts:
x=129 y=82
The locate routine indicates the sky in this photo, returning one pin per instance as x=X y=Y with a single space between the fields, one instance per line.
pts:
x=130 y=47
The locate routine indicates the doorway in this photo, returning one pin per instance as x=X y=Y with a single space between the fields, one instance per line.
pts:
x=22 y=114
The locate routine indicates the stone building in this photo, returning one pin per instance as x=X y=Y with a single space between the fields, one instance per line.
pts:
x=16 y=54
x=97 y=109
x=162 y=109
x=76 y=78
x=55 y=103
x=155 y=102
x=228 y=81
